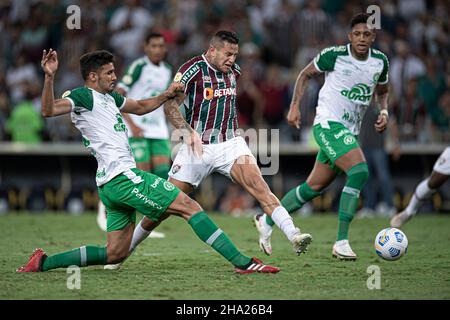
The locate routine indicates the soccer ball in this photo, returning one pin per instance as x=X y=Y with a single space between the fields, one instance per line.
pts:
x=391 y=244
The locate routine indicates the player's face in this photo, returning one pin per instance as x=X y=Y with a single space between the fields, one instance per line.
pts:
x=156 y=49
x=361 y=38
x=107 y=78
x=225 y=56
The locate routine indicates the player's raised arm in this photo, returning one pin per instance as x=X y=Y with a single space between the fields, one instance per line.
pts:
x=382 y=96
x=294 y=116
x=148 y=105
x=49 y=106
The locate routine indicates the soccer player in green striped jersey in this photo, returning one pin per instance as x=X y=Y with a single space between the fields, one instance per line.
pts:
x=353 y=74
x=209 y=103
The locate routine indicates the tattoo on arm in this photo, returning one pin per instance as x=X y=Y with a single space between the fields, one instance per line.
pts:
x=174 y=115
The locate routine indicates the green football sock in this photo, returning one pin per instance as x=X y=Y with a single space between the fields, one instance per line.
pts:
x=356 y=178
x=83 y=256
x=208 y=232
x=295 y=199
x=162 y=170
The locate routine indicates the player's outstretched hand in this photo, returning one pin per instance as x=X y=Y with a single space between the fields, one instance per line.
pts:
x=294 y=117
x=174 y=89
x=194 y=143
x=49 y=62
x=381 y=123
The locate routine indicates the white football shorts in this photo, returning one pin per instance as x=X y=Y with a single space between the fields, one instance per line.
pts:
x=217 y=157
x=442 y=164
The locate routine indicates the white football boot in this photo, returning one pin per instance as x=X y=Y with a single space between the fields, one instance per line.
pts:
x=343 y=251
x=301 y=241
x=116 y=266
x=265 y=233
x=156 y=235
x=400 y=219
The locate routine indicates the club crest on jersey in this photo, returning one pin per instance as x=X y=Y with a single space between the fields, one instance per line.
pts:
x=176 y=168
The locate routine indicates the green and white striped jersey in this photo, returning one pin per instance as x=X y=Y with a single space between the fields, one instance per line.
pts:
x=97 y=116
x=349 y=85
x=144 y=79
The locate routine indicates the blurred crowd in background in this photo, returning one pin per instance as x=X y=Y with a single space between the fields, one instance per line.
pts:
x=277 y=39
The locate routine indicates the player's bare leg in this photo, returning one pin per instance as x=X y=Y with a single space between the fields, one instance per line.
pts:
x=246 y=172
x=422 y=192
x=116 y=250
x=211 y=234
x=319 y=178
x=145 y=228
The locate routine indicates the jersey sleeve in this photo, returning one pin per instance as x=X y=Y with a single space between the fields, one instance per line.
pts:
x=187 y=74
x=131 y=75
x=80 y=98
x=119 y=99
x=237 y=70
x=384 y=76
x=326 y=59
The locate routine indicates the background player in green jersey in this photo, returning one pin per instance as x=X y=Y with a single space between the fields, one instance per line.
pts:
x=95 y=111
x=146 y=77
x=353 y=73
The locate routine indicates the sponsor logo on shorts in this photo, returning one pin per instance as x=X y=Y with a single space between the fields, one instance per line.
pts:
x=349 y=139
x=341 y=133
x=145 y=199
x=176 y=168
x=327 y=146
x=155 y=184
x=168 y=186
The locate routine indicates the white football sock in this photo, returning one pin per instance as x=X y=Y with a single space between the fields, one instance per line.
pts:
x=422 y=193
x=284 y=221
x=267 y=226
x=139 y=235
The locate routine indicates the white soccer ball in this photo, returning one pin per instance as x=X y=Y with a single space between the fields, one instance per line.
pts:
x=391 y=244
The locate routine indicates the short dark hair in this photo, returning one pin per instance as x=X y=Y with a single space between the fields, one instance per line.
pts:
x=152 y=35
x=359 y=18
x=224 y=35
x=94 y=60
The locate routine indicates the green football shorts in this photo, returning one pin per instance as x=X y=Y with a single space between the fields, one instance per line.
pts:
x=333 y=142
x=135 y=190
x=144 y=148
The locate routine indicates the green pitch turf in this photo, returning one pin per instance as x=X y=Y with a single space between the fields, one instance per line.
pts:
x=182 y=267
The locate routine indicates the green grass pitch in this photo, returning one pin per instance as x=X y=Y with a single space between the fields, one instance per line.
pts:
x=182 y=267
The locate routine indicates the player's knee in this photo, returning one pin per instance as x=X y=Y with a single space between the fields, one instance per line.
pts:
x=191 y=207
x=116 y=255
x=358 y=175
x=148 y=224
